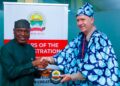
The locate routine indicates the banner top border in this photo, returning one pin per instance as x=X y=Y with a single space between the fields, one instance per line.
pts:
x=22 y=3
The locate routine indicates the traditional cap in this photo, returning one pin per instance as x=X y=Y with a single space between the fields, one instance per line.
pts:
x=22 y=23
x=86 y=9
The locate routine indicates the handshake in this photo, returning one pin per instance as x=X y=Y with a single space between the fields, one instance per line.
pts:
x=42 y=62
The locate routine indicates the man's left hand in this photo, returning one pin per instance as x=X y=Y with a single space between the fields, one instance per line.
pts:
x=66 y=78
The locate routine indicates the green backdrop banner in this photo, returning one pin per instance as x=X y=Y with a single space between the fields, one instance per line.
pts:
x=1 y=27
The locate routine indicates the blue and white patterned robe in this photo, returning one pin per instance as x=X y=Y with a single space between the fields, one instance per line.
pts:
x=99 y=65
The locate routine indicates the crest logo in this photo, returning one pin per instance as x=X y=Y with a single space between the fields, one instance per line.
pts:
x=37 y=22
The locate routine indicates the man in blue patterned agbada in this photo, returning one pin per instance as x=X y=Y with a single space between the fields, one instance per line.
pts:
x=89 y=59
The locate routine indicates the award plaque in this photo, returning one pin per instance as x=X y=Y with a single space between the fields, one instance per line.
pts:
x=55 y=76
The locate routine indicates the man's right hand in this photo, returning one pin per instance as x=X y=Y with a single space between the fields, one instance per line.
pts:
x=50 y=60
x=40 y=63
